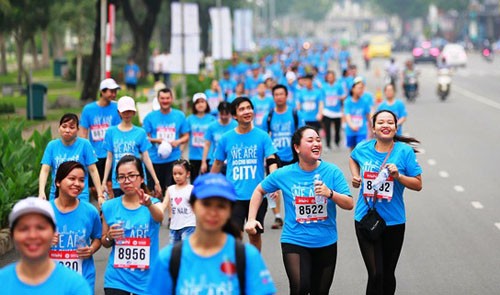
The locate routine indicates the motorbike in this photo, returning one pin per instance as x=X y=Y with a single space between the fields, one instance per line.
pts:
x=410 y=87
x=487 y=54
x=444 y=83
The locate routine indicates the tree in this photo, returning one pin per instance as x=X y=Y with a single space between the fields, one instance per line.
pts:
x=315 y=11
x=459 y=5
x=91 y=82
x=4 y=9
x=405 y=9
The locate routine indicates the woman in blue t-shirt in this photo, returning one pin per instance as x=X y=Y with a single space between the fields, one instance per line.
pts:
x=207 y=261
x=387 y=151
x=33 y=226
x=78 y=223
x=131 y=227
x=312 y=189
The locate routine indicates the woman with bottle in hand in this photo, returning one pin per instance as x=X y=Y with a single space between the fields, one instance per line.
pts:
x=391 y=152
x=312 y=189
x=131 y=226
x=78 y=223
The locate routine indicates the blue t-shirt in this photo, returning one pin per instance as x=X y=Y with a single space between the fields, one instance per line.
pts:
x=369 y=160
x=214 y=133
x=197 y=127
x=215 y=274
x=261 y=107
x=61 y=281
x=282 y=129
x=333 y=94
x=121 y=143
x=309 y=100
x=138 y=223
x=213 y=100
x=307 y=226
x=97 y=120
x=82 y=223
x=170 y=127
x=251 y=84
x=57 y=153
x=359 y=112
x=227 y=86
x=245 y=154
x=130 y=73
x=398 y=108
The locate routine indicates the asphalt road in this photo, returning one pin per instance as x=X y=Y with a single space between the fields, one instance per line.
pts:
x=453 y=231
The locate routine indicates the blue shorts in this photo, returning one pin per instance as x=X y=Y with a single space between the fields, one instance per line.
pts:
x=353 y=140
x=180 y=234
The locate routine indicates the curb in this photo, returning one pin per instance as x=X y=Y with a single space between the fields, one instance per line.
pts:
x=5 y=241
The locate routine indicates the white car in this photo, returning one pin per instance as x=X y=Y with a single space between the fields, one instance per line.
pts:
x=455 y=55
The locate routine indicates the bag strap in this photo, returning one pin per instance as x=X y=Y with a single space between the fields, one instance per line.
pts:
x=175 y=263
x=240 y=265
x=269 y=118
x=375 y=193
x=295 y=119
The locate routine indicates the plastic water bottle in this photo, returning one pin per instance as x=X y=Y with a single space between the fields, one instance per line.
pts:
x=381 y=177
x=317 y=181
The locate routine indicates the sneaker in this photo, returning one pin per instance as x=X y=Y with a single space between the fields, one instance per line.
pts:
x=278 y=223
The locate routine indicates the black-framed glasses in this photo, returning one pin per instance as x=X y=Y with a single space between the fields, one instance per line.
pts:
x=131 y=178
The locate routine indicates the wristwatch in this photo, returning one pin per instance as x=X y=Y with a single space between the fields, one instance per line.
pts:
x=107 y=239
x=331 y=194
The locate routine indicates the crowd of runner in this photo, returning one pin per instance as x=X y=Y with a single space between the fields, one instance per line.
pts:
x=254 y=140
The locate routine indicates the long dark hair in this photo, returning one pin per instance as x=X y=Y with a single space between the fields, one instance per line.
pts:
x=63 y=170
x=406 y=139
x=138 y=164
x=297 y=137
x=230 y=227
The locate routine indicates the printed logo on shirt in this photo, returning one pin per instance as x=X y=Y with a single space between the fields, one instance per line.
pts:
x=244 y=162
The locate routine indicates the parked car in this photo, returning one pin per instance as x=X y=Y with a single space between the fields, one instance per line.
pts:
x=425 y=52
x=454 y=55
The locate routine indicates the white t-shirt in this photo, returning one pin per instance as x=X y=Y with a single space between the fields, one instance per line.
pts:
x=182 y=215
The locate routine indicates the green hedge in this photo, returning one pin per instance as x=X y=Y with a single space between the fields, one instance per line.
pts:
x=19 y=165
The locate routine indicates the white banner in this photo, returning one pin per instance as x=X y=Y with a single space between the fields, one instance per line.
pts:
x=185 y=41
x=243 y=29
x=222 y=38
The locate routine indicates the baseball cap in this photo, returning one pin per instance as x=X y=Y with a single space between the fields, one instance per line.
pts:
x=108 y=84
x=290 y=76
x=31 y=205
x=212 y=185
x=357 y=80
x=164 y=149
x=199 y=95
x=126 y=103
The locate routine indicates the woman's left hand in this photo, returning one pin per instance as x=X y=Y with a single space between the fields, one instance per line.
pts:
x=84 y=252
x=144 y=199
x=158 y=190
x=321 y=190
x=393 y=171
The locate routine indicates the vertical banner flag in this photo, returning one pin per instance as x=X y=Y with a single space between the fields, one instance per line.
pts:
x=243 y=29
x=185 y=42
x=222 y=39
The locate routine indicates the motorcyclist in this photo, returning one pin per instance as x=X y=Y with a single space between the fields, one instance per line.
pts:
x=392 y=70
x=409 y=74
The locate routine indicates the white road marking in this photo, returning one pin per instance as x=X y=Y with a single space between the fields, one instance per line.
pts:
x=459 y=188
x=478 y=97
x=497 y=224
x=431 y=162
x=444 y=174
x=477 y=205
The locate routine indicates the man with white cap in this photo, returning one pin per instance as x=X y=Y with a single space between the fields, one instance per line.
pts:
x=95 y=120
x=166 y=124
x=33 y=226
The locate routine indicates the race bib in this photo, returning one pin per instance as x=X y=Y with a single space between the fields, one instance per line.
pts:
x=384 y=192
x=331 y=100
x=310 y=209
x=98 y=131
x=309 y=106
x=68 y=259
x=132 y=253
x=166 y=133
x=258 y=118
x=213 y=102
x=198 y=139
x=357 y=120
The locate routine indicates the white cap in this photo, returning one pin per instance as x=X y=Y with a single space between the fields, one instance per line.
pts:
x=198 y=95
x=108 y=84
x=164 y=149
x=291 y=76
x=31 y=205
x=126 y=103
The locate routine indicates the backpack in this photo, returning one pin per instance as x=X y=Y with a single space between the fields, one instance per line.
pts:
x=175 y=264
x=270 y=117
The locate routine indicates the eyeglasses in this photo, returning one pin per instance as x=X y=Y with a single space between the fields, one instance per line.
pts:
x=131 y=178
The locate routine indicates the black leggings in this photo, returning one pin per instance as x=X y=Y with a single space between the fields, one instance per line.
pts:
x=309 y=270
x=195 y=168
x=381 y=258
x=113 y=291
x=327 y=124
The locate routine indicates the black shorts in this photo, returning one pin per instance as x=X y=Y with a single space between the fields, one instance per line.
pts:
x=101 y=162
x=240 y=213
x=131 y=86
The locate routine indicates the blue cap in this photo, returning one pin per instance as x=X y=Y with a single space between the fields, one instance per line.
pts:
x=213 y=185
x=255 y=66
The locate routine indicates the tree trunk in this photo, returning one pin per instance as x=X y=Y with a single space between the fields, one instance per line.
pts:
x=45 y=49
x=3 y=56
x=34 y=54
x=79 y=58
x=91 y=83
x=19 y=57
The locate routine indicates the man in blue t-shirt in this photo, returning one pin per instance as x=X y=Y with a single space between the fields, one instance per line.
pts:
x=95 y=120
x=310 y=102
x=245 y=148
x=131 y=74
